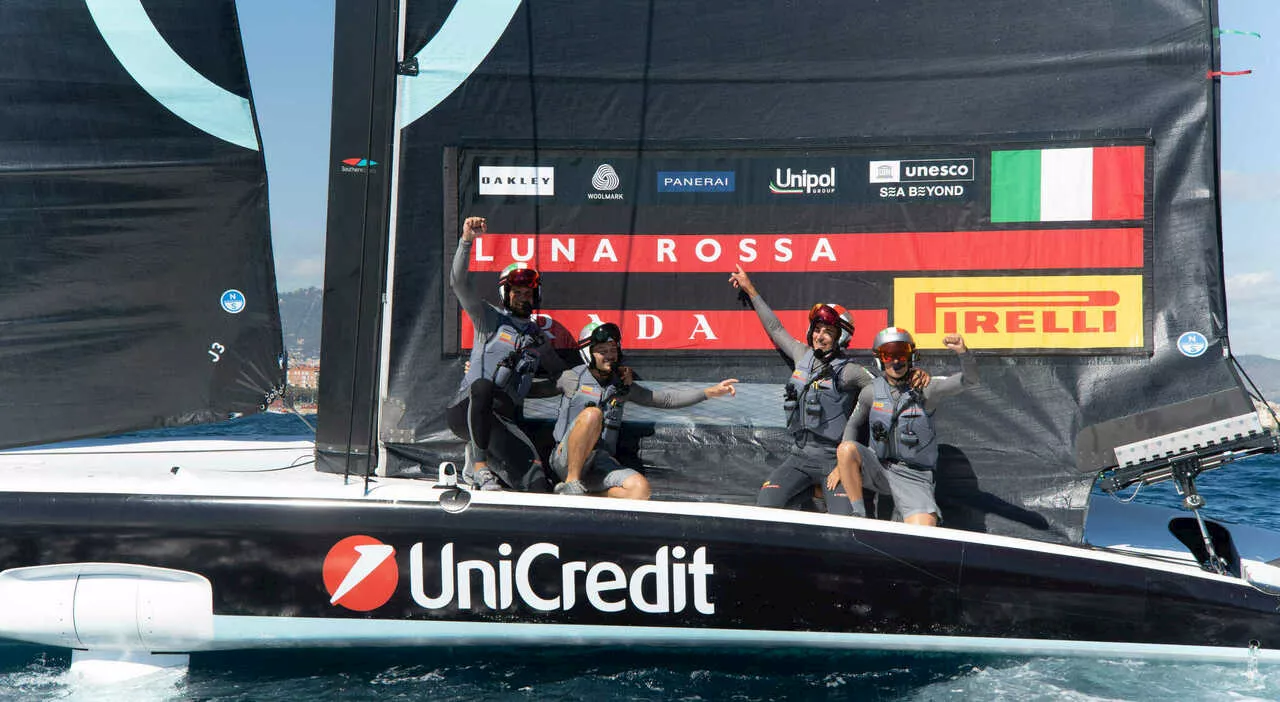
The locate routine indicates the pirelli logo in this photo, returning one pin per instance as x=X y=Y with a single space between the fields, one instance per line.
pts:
x=1023 y=312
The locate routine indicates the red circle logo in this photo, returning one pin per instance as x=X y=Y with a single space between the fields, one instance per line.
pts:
x=360 y=573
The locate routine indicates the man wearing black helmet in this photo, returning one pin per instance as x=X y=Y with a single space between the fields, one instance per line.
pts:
x=594 y=395
x=507 y=350
x=818 y=398
x=903 y=450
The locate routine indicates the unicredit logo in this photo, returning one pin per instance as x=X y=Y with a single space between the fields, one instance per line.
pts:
x=360 y=573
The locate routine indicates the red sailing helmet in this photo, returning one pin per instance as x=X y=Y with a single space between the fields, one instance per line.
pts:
x=832 y=315
x=519 y=274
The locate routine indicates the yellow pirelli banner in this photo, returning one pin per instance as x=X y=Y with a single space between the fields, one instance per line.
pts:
x=1023 y=312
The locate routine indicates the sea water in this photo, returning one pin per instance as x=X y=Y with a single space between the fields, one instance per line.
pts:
x=1243 y=493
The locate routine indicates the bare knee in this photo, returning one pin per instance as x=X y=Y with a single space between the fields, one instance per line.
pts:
x=848 y=451
x=591 y=419
x=636 y=487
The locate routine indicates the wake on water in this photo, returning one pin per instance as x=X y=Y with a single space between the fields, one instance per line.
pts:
x=1241 y=494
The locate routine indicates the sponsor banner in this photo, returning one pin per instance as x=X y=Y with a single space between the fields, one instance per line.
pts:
x=690 y=330
x=930 y=170
x=518 y=180
x=797 y=253
x=1018 y=313
x=1061 y=185
x=696 y=181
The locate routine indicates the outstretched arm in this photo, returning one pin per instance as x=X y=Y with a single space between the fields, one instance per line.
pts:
x=859 y=415
x=793 y=348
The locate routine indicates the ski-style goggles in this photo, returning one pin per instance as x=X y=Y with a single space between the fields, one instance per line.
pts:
x=822 y=313
x=895 y=352
x=522 y=277
x=605 y=332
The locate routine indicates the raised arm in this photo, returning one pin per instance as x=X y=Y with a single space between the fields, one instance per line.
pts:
x=793 y=348
x=460 y=273
x=954 y=384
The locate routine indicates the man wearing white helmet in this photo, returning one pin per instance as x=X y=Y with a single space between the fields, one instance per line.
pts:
x=819 y=396
x=903 y=451
x=508 y=349
x=594 y=395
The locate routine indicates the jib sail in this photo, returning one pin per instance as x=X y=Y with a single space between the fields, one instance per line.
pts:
x=138 y=285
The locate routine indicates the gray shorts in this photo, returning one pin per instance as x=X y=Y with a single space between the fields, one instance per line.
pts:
x=911 y=488
x=600 y=472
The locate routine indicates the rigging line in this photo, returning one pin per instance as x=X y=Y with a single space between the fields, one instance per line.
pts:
x=1219 y=31
x=902 y=561
x=1256 y=391
x=1220 y=74
x=72 y=452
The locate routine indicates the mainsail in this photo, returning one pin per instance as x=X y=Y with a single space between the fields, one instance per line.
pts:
x=1041 y=177
x=139 y=287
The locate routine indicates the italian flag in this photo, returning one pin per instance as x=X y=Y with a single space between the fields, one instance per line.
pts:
x=1062 y=185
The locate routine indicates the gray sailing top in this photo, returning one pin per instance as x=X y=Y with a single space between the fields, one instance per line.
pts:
x=580 y=388
x=938 y=389
x=487 y=319
x=853 y=377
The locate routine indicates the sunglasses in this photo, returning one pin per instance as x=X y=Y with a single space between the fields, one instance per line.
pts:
x=828 y=315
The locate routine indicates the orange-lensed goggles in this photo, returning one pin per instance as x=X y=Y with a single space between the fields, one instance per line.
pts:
x=894 y=352
x=828 y=315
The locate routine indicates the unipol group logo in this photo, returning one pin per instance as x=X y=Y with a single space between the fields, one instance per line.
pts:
x=789 y=182
x=360 y=573
x=1023 y=312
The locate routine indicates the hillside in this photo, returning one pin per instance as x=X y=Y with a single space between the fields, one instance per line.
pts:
x=300 y=318
x=1265 y=372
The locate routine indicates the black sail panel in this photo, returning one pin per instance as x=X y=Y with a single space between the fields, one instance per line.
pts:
x=1040 y=177
x=138 y=285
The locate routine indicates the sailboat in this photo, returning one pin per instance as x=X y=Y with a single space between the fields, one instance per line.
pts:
x=1042 y=179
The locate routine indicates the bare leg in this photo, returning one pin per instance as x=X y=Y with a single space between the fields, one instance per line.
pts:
x=923 y=519
x=581 y=440
x=849 y=468
x=635 y=487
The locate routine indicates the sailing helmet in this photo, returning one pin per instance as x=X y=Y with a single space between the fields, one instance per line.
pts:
x=598 y=333
x=894 y=340
x=832 y=315
x=519 y=273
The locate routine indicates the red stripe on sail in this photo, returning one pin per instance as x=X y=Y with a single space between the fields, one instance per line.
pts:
x=691 y=330
x=1028 y=249
x=1118 y=178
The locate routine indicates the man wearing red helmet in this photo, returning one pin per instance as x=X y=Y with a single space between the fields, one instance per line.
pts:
x=903 y=450
x=818 y=399
x=507 y=350
x=593 y=396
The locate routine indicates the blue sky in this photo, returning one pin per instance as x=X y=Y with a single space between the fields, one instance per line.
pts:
x=289 y=49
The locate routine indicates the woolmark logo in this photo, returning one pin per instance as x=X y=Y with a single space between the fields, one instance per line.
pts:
x=790 y=182
x=930 y=170
x=360 y=573
x=696 y=181
x=605 y=180
x=518 y=180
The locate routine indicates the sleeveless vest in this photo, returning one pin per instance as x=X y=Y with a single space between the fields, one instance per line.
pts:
x=608 y=398
x=508 y=357
x=905 y=430
x=820 y=406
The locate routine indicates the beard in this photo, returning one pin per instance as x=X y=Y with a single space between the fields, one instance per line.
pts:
x=521 y=308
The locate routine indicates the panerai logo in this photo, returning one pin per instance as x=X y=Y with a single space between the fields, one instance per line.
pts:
x=672 y=582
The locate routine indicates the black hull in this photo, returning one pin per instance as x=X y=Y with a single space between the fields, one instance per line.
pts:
x=265 y=558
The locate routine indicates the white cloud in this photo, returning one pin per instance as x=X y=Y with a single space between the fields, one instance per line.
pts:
x=1241 y=186
x=1245 y=289
x=300 y=273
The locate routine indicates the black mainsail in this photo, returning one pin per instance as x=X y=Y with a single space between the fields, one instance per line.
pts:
x=139 y=287
x=1041 y=178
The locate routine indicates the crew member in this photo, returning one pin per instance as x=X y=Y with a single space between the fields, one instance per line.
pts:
x=903 y=451
x=594 y=396
x=818 y=398
x=508 y=349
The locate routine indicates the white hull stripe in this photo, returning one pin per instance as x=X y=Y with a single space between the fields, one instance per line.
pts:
x=262 y=632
